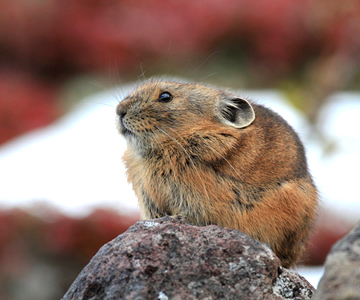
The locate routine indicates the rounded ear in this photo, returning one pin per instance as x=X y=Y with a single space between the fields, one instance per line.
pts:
x=237 y=112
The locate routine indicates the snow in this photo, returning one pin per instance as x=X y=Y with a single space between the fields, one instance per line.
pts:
x=75 y=164
x=312 y=274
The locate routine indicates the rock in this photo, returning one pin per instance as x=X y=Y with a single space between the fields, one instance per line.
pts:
x=167 y=258
x=341 y=279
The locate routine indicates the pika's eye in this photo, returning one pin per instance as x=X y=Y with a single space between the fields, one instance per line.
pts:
x=165 y=97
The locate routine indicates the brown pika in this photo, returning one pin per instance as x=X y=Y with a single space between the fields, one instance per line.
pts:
x=214 y=158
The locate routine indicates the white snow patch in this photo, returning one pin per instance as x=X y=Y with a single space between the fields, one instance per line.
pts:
x=151 y=224
x=162 y=296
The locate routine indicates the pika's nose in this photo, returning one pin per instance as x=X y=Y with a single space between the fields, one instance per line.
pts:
x=121 y=110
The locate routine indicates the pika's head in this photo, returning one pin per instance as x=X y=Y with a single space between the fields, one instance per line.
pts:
x=165 y=111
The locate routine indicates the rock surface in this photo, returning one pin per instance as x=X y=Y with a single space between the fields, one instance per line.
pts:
x=341 y=279
x=169 y=259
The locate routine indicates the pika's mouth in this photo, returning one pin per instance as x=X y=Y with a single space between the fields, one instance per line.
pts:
x=123 y=130
x=126 y=132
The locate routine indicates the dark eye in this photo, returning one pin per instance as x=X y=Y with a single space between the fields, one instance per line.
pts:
x=165 y=97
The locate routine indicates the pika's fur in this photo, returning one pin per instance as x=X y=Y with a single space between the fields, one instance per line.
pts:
x=214 y=158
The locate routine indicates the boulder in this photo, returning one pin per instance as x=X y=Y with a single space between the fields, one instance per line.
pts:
x=167 y=258
x=341 y=279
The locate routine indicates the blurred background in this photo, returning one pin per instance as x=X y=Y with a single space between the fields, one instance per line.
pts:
x=64 y=65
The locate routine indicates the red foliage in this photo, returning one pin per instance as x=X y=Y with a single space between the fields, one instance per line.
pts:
x=329 y=229
x=84 y=237
x=25 y=104
x=83 y=35
x=275 y=30
x=61 y=243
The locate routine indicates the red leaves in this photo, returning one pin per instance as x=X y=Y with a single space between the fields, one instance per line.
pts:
x=83 y=237
x=52 y=243
x=330 y=228
x=83 y=35
x=61 y=235
x=25 y=104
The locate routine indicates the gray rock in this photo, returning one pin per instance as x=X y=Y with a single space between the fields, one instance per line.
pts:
x=169 y=259
x=341 y=279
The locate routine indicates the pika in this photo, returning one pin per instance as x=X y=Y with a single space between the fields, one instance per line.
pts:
x=215 y=158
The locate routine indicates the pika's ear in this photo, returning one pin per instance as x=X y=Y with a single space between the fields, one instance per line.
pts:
x=236 y=112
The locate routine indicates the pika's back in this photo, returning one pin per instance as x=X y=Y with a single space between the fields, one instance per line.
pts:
x=214 y=158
